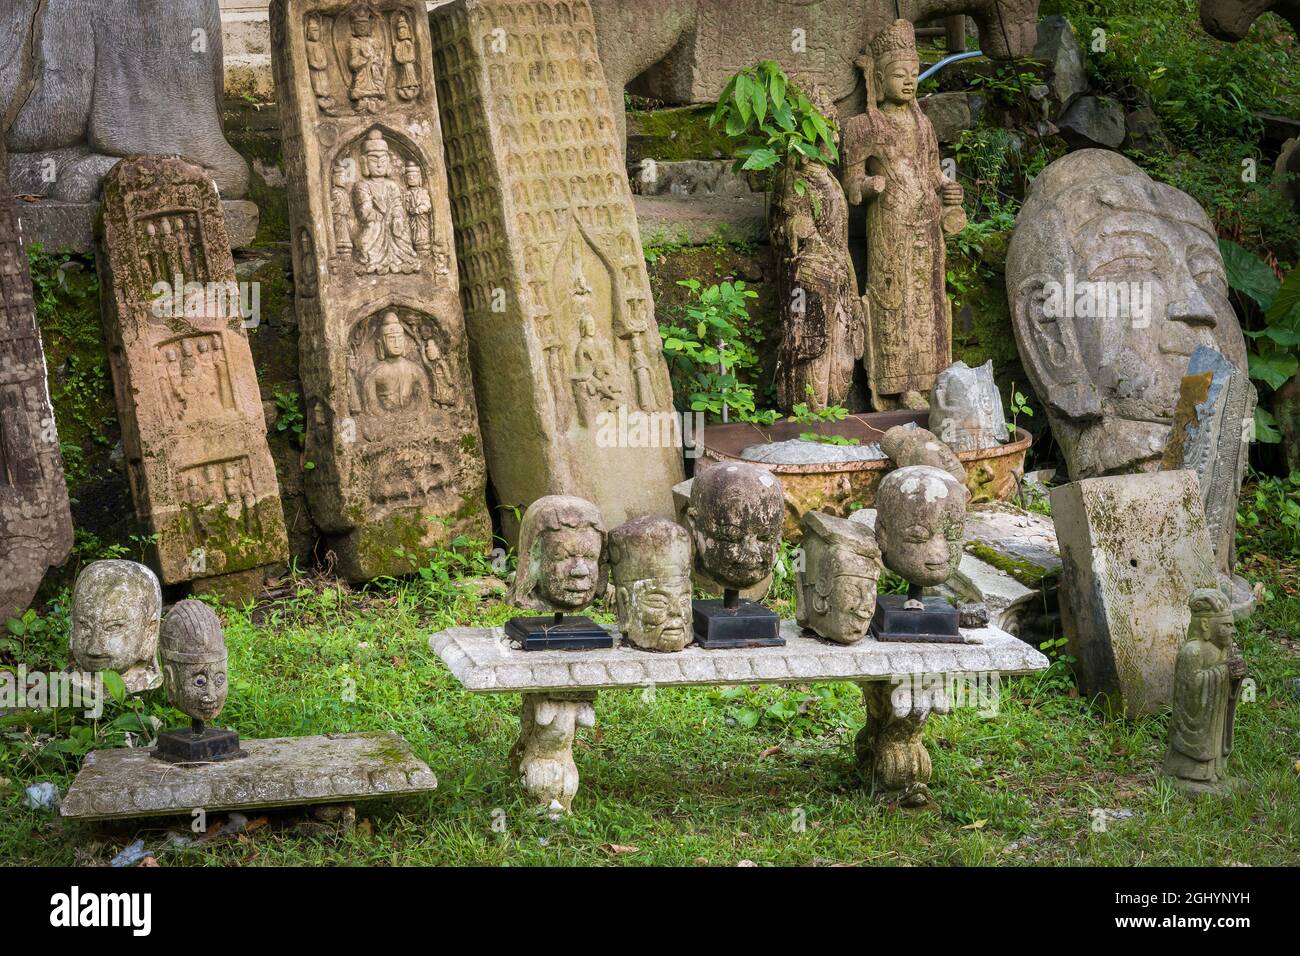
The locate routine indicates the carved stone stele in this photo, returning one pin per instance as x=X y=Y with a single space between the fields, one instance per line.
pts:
x=392 y=425
x=192 y=423
x=837 y=586
x=567 y=357
x=650 y=566
x=891 y=162
x=115 y=613
x=35 y=523
x=1114 y=280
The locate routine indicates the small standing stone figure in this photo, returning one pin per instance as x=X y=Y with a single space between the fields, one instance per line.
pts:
x=920 y=528
x=341 y=207
x=367 y=62
x=735 y=518
x=318 y=63
x=837 y=586
x=562 y=568
x=384 y=239
x=650 y=563
x=821 y=310
x=116 y=606
x=408 y=82
x=1207 y=681
x=193 y=651
x=892 y=164
x=419 y=208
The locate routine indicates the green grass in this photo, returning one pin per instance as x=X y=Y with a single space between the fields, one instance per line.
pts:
x=674 y=773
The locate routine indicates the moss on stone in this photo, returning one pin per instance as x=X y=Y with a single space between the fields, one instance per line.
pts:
x=675 y=134
x=1026 y=572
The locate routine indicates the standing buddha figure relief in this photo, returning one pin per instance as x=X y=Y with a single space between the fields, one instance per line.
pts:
x=368 y=62
x=594 y=382
x=892 y=164
x=318 y=63
x=408 y=81
x=383 y=240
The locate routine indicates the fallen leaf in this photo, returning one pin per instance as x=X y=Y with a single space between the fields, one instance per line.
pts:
x=364 y=827
x=977 y=825
x=746 y=863
x=769 y=752
x=256 y=824
x=701 y=861
x=618 y=849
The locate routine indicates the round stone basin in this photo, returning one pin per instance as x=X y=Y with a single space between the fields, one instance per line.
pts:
x=839 y=487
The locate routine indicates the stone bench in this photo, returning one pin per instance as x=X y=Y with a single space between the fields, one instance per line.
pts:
x=901 y=685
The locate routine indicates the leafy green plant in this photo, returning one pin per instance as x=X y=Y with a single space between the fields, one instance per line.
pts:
x=1019 y=406
x=773 y=122
x=1268 y=514
x=805 y=414
x=798 y=711
x=289 y=417
x=710 y=346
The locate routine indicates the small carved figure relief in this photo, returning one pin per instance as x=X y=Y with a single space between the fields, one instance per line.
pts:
x=173 y=249
x=384 y=235
x=408 y=80
x=394 y=383
x=318 y=63
x=368 y=61
x=595 y=385
x=196 y=377
x=341 y=207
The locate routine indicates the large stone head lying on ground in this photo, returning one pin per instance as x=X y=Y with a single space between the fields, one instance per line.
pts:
x=86 y=82
x=1114 y=280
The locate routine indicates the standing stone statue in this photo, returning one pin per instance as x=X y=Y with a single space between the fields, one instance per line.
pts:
x=920 y=527
x=836 y=594
x=817 y=289
x=193 y=428
x=1106 y=318
x=116 y=607
x=562 y=568
x=35 y=522
x=193 y=651
x=1211 y=436
x=966 y=408
x=734 y=518
x=892 y=164
x=650 y=565
x=557 y=298
x=391 y=420
x=1207 y=683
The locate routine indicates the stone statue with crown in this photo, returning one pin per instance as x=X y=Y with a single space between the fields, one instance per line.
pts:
x=891 y=162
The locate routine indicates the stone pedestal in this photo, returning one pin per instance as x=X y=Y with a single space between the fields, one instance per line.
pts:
x=543 y=754
x=890 y=750
x=391 y=421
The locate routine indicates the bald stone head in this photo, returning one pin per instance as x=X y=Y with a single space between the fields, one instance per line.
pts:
x=115 y=611
x=921 y=523
x=1114 y=280
x=735 y=520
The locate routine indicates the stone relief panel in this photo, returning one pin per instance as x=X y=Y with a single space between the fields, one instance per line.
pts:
x=361 y=57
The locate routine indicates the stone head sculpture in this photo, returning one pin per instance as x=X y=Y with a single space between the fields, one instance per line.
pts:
x=1114 y=280
x=920 y=523
x=650 y=564
x=1212 y=619
x=115 y=611
x=895 y=64
x=562 y=560
x=837 y=586
x=735 y=522
x=193 y=651
x=376 y=158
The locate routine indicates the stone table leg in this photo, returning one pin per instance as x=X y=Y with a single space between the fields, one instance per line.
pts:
x=890 y=751
x=543 y=754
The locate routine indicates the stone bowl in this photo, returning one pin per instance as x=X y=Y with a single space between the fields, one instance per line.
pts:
x=992 y=474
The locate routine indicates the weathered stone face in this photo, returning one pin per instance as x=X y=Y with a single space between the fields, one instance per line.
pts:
x=650 y=564
x=735 y=522
x=193 y=652
x=1114 y=281
x=837 y=587
x=891 y=162
x=920 y=523
x=562 y=564
x=35 y=523
x=966 y=408
x=93 y=81
x=1211 y=436
x=115 y=611
x=192 y=423
x=392 y=423
x=918 y=446
x=567 y=358
x=1133 y=549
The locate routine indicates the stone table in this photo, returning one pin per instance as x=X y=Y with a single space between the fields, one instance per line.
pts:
x=901 y=684
x=279 y=772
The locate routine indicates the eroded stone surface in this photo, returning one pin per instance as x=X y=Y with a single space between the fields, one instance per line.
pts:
x=735 y=519
x=966 y=408
x=1133 y=550
x=192 y=649
x=920 y=523
x=562 y=555
x=280 y=772
x=909 y=445
x=484 y=661
x=392 y=422
x=35 y=522
x=193 y=427
x=650 y=567
x=71 y=225
x=116 y=607
x=837 y=585
x=567 y=357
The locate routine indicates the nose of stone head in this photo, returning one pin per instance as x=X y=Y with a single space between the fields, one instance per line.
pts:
x=1193 y=309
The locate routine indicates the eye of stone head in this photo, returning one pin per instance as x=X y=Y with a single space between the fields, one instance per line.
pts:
x=200 y=680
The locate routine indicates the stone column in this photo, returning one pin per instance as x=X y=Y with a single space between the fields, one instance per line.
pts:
x=543 y=754
x=890 y=751
x=35 y=523
x=568 y=363
x=193 y=428
x=392 y=424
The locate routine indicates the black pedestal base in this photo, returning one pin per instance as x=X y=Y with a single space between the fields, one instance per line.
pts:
x=936 y=623
x=569 y=634
x=746 y=625
x=210 y=746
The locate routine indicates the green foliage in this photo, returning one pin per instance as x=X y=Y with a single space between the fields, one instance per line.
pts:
x=1019 y=406
x=710 y=346
x=805 y=414
x=792 y=711
x=772 y=121
x=289 y=418
x=1268 y=515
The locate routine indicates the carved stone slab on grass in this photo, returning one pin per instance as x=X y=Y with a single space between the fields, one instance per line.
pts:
x=391 y=421
x=280 y=772
x=484 y=662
